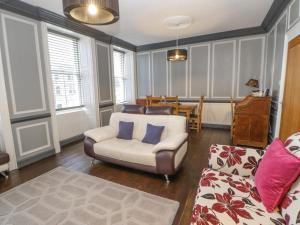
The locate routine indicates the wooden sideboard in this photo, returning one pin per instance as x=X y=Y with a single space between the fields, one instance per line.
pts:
x=251 y=122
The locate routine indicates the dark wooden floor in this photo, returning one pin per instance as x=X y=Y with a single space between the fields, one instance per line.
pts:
x=182 y=187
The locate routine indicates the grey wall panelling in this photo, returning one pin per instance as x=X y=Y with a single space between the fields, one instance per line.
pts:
x=294 y=13
x=278 y=61
x=144 y=74
x=199 y=70
x=104 y=73
x=24 y=67
x=278 y=64
x=223 y=69
x=160 y=70
x=271 y=38
x=26 y=86
x=32 y=138
x=179 y=78
x=211 y=69
x=105 y=114
x=250 y=63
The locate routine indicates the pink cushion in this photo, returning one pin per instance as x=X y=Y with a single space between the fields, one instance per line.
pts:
x=275 y=174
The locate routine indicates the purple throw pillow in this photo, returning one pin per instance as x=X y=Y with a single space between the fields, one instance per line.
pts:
x=125 y=130
x=153 y=134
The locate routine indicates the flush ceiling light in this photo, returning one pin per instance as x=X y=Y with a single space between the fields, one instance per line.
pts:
x=94 y=12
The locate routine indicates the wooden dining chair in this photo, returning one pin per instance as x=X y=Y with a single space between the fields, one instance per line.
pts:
x=154 y=100
x=195 y=122
x=172 y=101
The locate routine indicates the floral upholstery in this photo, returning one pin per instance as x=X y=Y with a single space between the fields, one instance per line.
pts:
x=235 y=160
x=290 y=207
x=293 y=144
x=226 y=199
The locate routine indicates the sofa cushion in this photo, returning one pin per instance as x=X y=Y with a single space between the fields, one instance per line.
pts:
x=125 y=130
x=290 y=207
x=236 y=160
x=293 y=144
x=132 y=151
x=153 y=134
x=276 y=173
x=134 y=109
x=173 y=124
x=140 y=153
x=159 y=110
x=230 y=199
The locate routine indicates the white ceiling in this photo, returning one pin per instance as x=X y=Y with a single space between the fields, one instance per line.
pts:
x=141 y=21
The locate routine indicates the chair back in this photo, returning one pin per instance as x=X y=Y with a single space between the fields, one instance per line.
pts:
x=154 y=100
x=172 y=101
x=200 y=107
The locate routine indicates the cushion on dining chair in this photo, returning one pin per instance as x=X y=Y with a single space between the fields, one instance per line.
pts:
x=159 y=110
x=133 y=109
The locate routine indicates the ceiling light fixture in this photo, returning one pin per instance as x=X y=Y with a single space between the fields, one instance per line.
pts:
x=177 y=23
x=94 y=12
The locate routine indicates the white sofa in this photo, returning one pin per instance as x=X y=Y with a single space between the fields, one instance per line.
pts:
x=164 y=158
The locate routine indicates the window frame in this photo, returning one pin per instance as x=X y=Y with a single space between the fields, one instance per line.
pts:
x=66 y=35
x=124 y=78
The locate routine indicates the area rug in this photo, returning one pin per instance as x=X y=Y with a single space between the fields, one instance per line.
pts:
x=66 y=197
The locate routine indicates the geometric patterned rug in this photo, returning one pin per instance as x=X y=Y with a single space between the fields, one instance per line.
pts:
x=66 y=197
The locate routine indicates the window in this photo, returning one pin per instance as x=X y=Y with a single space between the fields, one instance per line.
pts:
x=119 y=76
x=65 y=69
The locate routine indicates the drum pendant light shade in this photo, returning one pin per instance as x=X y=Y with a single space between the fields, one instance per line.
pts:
x=177 y=55
x=94 y=12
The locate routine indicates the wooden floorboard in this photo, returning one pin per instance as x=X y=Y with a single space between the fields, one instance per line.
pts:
x=183 y=186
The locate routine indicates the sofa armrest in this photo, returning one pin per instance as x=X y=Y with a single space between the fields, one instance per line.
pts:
x=171 y=143
x=101 y=133
x=235 y=160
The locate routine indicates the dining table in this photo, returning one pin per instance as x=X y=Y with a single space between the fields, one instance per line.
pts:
x=187 y=109
x=183 y=108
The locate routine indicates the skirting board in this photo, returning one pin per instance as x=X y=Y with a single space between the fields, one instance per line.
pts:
x=216 y=126
x=39 y=157
x=72 y=140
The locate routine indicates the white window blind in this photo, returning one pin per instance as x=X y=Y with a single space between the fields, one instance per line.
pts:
x=119 y=76
x=65 y=69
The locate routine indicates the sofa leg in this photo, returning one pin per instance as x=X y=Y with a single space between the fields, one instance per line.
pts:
x=167 y=178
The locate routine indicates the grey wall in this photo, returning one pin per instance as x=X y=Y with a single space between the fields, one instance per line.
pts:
x=217 y=70
x=26 y=85
x=159 y=73
x=105 y=114
x=294 y=13
x=275 y=50
x=143 y=64
x=275 y=56
x=104 y=73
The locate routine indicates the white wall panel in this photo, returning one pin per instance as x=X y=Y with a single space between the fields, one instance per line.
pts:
x=250 y=63
x=199 y=70
x=178 y=78
x=223 y=69
x=159 y=73
x=143 y=74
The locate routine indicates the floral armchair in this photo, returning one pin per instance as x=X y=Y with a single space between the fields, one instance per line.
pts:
x=227 y=194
